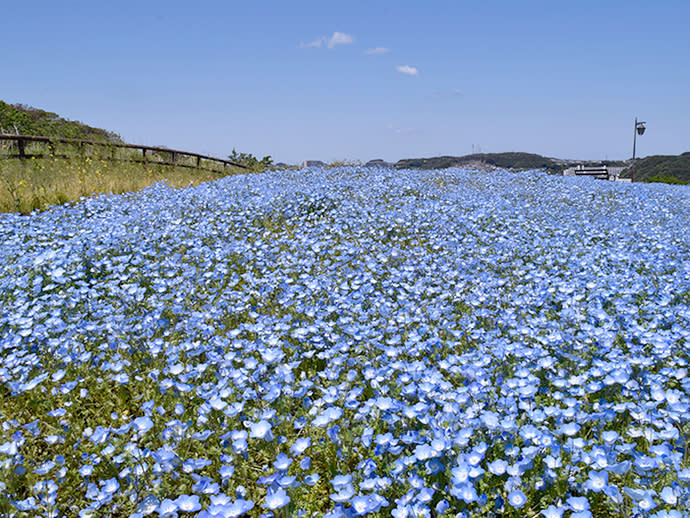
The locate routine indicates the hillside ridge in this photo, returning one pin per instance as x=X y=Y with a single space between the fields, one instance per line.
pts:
x=27 y=120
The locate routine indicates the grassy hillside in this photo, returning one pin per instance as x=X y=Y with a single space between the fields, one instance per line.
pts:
x=502 y=160
x=26 y=120
x=662 y=168
x=73 y=172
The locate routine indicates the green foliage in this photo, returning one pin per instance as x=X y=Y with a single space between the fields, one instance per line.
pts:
x=250 y=160
x=26 y=120
x=660 y=178
x=662 y=168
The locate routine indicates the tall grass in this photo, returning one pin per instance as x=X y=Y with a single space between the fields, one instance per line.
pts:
x=37 y=183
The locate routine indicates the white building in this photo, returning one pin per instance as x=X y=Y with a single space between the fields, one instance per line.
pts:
x=600 y=172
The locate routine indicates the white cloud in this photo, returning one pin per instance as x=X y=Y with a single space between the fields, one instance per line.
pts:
x=316 y=43
x=378 y=50
x=407 y=70
x=339 y=38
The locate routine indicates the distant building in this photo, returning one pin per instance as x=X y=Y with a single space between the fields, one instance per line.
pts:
x=602 y=172
x=313 y=163
x=378 y=163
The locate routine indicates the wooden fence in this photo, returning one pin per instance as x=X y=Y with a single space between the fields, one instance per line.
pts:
x=149 y=154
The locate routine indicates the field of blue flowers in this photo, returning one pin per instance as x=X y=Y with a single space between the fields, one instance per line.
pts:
x=349 y=342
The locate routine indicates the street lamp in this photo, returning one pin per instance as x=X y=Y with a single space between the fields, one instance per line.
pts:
x=639 y=130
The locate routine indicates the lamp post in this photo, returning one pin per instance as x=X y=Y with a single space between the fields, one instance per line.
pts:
x=639 y=130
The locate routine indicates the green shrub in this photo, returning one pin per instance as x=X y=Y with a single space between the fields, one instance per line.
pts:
x=665 y=178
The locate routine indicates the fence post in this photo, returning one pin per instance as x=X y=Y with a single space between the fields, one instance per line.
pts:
x=198 y=162
x=20 y=146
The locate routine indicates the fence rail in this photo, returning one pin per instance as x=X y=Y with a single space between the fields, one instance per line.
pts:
x=175 y=155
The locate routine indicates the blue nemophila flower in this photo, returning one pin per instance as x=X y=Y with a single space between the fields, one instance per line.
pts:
x=226 y=471
x=86 y=470
x=227 y=509
x=300 y=445
x=305 y=463
x=553 y=512
x=58 y=412
x=142 y=424
x=341 y=481
x=517 y=498
x=668 y=514
x=643 y=498
x=461 y=473
x=148 y=505
x=45 y=468
x=578 y=503
x=442 y=506
x=498 y=467
x=668 y=495
x=327 y=416
x=365 y=504
x=620 y=468
x=287 y=481
x=99 y=435
x=598 y=480
x=187 y=503
x=645 y=463
x=569 y=429
x=402 y=511
x=167 y=509
x=220 y=499
x=343 y=494
x=276 y=499
x=217 y=403
x=205 y=486
x=424 y=451
x=465 y=491
x=110 y=486
x=8 y=448
x=312 y=479
x=282 y=462
x=261 y=430
x=54 y=439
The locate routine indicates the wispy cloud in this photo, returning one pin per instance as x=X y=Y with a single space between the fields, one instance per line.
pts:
x=407 y=70
x=316 y=43
x=378 y=50
x=439 y=95
x=337 y=38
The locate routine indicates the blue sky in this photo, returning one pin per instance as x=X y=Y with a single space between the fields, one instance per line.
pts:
x=300 y=80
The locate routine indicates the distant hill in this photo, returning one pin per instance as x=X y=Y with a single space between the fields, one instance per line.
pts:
x=657 y=168
x=26 y=120
x=662 y=168
x=498 y=160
